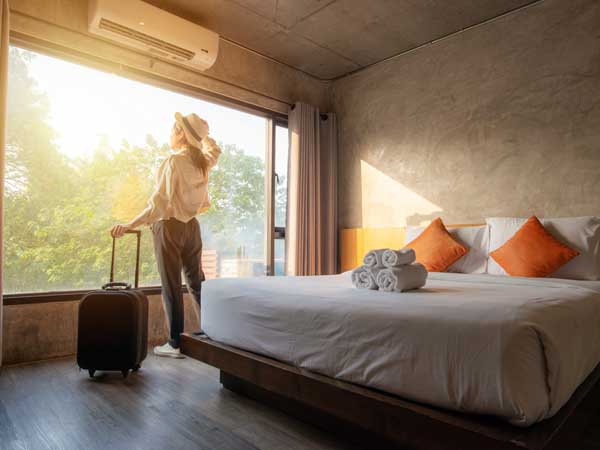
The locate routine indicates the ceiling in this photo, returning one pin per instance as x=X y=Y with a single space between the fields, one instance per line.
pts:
x=331 y=38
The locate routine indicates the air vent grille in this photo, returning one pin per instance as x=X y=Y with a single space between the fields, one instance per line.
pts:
x=143 y=38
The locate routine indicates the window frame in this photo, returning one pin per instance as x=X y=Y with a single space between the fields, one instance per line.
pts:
x=273 y=118
x=75 y=295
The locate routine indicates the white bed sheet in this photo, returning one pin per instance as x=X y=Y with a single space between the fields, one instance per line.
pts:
x=512 y=347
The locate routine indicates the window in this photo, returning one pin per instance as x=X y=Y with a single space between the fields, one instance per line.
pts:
x=82 y=150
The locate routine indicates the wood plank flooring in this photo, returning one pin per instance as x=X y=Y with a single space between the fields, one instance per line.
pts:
x=168 y=405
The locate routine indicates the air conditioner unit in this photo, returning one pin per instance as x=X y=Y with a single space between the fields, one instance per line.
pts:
x=151 y=29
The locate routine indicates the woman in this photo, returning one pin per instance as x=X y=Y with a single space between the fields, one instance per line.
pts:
x=181 y=194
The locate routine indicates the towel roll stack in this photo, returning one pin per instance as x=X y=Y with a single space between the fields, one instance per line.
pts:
x=390 y=270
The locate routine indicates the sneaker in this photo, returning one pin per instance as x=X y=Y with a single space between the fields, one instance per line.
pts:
x=168 y=351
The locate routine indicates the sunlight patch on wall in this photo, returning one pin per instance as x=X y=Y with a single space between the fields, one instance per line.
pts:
x=388 y=203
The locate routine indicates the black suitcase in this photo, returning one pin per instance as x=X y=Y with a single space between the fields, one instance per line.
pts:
x=113 y=324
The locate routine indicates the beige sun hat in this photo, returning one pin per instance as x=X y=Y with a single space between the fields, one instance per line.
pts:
x=194 y=128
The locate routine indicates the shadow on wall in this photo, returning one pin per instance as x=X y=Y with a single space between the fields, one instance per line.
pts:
x=477 y=125
x=494 y=160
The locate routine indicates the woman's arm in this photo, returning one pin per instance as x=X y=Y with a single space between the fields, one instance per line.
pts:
x=211 y=151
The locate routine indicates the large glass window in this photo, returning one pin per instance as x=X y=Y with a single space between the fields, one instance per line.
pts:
x=82 y=150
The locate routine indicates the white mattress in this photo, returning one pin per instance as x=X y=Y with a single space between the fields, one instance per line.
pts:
x=516 y=348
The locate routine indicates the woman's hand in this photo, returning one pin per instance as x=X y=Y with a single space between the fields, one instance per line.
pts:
x=119 y=230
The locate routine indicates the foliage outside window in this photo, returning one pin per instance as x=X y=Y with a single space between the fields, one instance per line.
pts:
x=59 y=207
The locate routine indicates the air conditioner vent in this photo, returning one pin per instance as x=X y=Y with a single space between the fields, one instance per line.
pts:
x=145 y=39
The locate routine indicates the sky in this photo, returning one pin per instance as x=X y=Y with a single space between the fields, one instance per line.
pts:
x=87 y=104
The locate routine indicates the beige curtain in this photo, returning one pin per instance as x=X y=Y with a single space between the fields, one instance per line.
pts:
x=3 y=92
x=311 y=228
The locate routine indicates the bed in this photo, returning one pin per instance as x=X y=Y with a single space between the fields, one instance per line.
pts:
x=473 y=360
x=479 y=360
x=515 y=348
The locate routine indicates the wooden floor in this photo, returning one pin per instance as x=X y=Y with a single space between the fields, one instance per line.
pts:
x=168 y=405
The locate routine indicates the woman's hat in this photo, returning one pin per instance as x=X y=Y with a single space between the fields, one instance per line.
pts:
x=194 y=128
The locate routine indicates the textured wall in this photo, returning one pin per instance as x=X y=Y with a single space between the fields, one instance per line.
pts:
x=502 y=119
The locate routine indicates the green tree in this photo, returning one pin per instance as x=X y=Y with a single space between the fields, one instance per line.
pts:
x=37 y=174
x=58 y=210
x=236 y=186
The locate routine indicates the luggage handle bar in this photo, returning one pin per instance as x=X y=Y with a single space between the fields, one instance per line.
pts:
x=138 y=233
x=116 y=286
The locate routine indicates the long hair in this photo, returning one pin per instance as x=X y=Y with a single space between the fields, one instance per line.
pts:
x=197 y=156
x=198 y=159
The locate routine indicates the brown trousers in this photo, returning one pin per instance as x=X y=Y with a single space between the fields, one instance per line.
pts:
x=177 y=247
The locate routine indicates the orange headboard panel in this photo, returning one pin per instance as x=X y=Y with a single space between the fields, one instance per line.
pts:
x=355 y=242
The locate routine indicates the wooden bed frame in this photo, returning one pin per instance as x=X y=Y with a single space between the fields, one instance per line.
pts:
x=380 y=420
x=377 y=419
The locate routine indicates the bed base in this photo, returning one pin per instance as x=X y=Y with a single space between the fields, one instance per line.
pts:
x=382 y=420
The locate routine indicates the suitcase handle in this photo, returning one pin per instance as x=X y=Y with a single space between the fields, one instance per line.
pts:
x=138 y=233
x=116 y=286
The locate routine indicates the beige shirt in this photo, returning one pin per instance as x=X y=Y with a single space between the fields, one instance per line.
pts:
x=181 y=188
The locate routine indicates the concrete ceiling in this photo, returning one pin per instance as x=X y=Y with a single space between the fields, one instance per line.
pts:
x=330 y=38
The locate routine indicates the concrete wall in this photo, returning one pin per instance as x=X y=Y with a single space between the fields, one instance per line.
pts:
x=237 y=73
x=502 y=119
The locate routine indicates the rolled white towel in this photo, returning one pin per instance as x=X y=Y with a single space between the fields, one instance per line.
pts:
x=395 y=258
x=365 y=277
x=373 y=258
x=402 y=278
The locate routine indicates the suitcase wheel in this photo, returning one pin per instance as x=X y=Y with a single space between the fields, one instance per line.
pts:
x=91 y=372
x=125 y=373
x=137 y=367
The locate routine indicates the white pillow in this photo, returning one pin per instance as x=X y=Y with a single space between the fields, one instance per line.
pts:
x=579 y=233
x=476 y=238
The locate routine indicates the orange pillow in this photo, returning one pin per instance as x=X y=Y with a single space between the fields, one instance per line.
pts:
x=436 y=249
x=532 y=252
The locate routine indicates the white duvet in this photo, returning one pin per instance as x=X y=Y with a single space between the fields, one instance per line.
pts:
x=512 y=347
